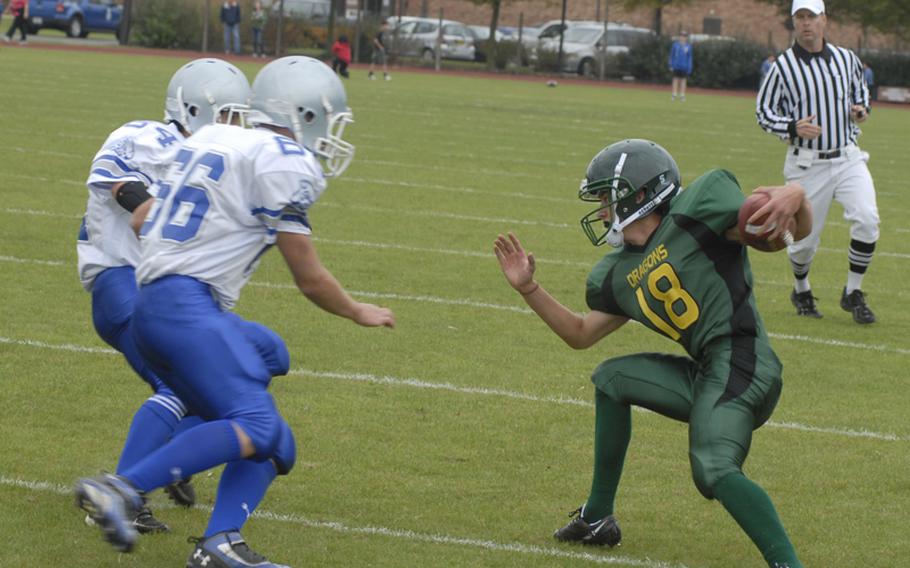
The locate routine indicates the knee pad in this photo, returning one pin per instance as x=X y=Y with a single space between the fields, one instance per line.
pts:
x=285 y=451
x=707 y=471
x=260 y=420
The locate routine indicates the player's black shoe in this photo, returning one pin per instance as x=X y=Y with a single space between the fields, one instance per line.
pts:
x=146 y=523
x=182 y=492
x=605 y=531
x=804 y=302
x=113 y=503
x=226 y=550
x=855 y=303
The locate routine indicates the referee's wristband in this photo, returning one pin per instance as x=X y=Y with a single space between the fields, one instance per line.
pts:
x=791 y=129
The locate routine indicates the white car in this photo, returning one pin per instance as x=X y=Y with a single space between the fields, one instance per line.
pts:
x=420 y=36
x=583 y=44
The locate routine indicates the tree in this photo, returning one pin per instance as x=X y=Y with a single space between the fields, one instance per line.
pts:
x=494 y=24
x=887 y=16
x=658 y=6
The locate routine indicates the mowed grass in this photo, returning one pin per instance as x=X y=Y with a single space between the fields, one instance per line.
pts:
x=464 y=436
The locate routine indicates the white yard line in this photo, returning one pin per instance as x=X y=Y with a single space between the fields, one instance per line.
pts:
x=479 y=391
x=337 y=526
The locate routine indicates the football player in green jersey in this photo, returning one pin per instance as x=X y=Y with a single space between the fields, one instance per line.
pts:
x=681 y=270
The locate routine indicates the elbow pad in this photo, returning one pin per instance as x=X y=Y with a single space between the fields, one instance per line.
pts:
x=132 y=194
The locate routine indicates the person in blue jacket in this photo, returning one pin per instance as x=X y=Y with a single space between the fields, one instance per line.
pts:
x=681 y=65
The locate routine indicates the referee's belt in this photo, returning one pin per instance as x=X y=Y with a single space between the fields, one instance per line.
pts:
x=822 y=155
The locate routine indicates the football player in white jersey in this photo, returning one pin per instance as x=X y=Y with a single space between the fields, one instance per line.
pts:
x=132 y=158
x=228 y=197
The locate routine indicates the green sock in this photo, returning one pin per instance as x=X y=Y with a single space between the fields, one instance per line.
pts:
x=612 y=431
x=753 y=510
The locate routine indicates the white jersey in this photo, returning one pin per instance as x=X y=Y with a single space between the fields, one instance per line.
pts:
x=221 y=203
x=137 y=151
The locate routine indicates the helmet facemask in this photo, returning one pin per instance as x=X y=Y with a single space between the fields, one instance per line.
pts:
x=336 y=152
x=626 y=203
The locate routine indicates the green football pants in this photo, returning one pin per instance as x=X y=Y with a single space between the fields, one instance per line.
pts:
x=723 y=397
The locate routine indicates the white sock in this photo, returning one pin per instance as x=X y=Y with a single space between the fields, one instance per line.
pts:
x=801 y=285
x=854 y=281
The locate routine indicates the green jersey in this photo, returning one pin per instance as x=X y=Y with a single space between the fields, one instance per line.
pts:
x=687 y=282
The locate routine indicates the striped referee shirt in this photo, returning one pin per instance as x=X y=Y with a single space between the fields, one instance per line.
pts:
x=825 y=84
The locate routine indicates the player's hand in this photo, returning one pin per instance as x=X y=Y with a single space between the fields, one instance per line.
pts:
x=858 y=113
x=517 y=266
x=783 y=204
x=369 y=315
x=806 y=128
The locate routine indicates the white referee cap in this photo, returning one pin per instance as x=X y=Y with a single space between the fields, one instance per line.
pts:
x=814 y=6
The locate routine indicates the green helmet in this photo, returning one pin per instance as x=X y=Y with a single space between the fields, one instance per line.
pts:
x=637 y=176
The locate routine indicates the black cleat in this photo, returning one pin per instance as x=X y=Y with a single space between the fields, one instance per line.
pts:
x=226 y=550
x=605 y=531
x=805 y=304
x=182 y=492
x=855 y=303
x=146 y=523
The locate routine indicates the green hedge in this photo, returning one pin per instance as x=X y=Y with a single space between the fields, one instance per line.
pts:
x=717 y=64
x=890 y=69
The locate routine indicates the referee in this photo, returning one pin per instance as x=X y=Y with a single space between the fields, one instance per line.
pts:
x=814 y=97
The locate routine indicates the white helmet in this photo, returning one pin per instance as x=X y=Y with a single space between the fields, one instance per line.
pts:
x=202 y=89
x=305 y=96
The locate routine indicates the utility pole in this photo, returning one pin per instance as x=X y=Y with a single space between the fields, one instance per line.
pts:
x=562 y=34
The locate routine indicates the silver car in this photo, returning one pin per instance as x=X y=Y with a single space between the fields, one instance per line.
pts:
x=420 y=36
x=583 y=44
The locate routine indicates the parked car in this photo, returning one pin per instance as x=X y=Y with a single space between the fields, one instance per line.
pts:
x=481 y=35
x=313 y=10
x=583 y=44
x=76 y=17
x=418 y=37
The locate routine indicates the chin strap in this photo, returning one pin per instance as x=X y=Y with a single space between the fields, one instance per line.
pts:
x=614 y=235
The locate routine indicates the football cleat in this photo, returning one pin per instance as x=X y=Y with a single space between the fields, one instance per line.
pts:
x=855 y=303
x=226 y=550
x=113 y=503
x=804 y=302
x=145 y=523
x=182 y=492
x=605 y=531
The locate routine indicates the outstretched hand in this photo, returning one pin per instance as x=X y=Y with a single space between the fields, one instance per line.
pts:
x=517 y=266
x=369 y=315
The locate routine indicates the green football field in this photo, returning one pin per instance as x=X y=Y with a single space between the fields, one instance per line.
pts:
x=464 y=436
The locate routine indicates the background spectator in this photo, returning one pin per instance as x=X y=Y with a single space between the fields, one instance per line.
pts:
x=681 y=65
x=341 y=49
x=765 y=67
x=379 y=52
x=258 y=19
x=230 y=17
x=19 y=10
x=869 y=77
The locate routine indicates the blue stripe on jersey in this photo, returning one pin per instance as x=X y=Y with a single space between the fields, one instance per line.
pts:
x=269 y=212
x=105 y=173
x=120 y=163
x=302 y=219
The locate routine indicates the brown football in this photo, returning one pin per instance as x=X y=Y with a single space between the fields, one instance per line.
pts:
x=748 y=231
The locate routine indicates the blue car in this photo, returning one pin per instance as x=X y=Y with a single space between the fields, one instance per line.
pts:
x=76 y=17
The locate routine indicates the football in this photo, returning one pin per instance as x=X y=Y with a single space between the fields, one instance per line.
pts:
x=749 y=231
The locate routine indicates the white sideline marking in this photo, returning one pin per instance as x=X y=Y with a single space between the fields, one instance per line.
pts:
x=530 y=549
x=840 y=343
x=412 y=298
x=482 y=391
x=446 y=215
x=5 y=258
x=455 y=189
